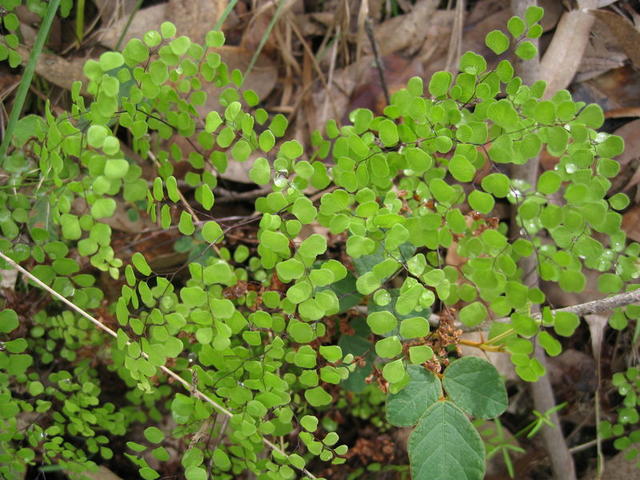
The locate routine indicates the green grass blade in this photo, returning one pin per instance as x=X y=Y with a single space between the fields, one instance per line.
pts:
x=27 y=76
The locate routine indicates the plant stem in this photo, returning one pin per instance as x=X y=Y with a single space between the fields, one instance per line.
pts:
x=79 y=21
x=128 y=24
x=481 y=345
x=27 y=76
x=265 y=36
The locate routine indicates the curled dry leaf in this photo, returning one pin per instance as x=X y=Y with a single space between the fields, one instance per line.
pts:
x=111 y=10
x=597 y=324
x=57 y=70
x=631 y=223
x=629 y=172
x=472 y=39
x=624 y=31
x=144 y=20
x=602 y=54
x=195 y=18
x=401 y=32
x=103 y=473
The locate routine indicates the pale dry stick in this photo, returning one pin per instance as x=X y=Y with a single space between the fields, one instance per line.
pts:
x=455 y=41
x=188 y=386
x=544 y=400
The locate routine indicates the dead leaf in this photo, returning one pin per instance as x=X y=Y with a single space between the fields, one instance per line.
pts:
x=616 y=468
x=8 y=278
x=144 y=20
x=111 y=10
x=631 y=223
x=602 y=54
x=57 y=70
x=262 y=78
x=624 y=112
x=473 y=39
x=617 y=88
x=597 y=324
x=629 y=173
x=194 y=18
x=625 y=32
x=103 y=473
x=401 y=32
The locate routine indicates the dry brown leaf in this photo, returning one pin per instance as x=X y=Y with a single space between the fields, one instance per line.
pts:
x=473 y=39
x=624 y=31
x=194 y=18
x=624 y=112
x=103 y=473
x=603 y=53
x=629 y=172
x=617 y=88
x=144 y=20
x=486 y=8
x=401 y=32
x=261 y=79
x=631 y=223
x=616 y=468
x=57 y=70
x=597 y=324
x=343 y=83
x=112 y=10
x=572 y=370
x=435 y=36
x=560 y=63
x=369 y=94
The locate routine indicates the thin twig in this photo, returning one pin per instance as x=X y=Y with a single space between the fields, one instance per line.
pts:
x=128 y=24
x=584 y=446
x=594 y=306
x=188 y=386
x=368 y=27
x=27 y=76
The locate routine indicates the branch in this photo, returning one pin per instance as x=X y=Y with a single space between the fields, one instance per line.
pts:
x=595 y=306
x=190 y=388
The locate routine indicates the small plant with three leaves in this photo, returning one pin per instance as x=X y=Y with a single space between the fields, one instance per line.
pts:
x=251 y=330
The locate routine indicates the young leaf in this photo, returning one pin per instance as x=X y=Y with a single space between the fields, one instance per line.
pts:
x=497 y=41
